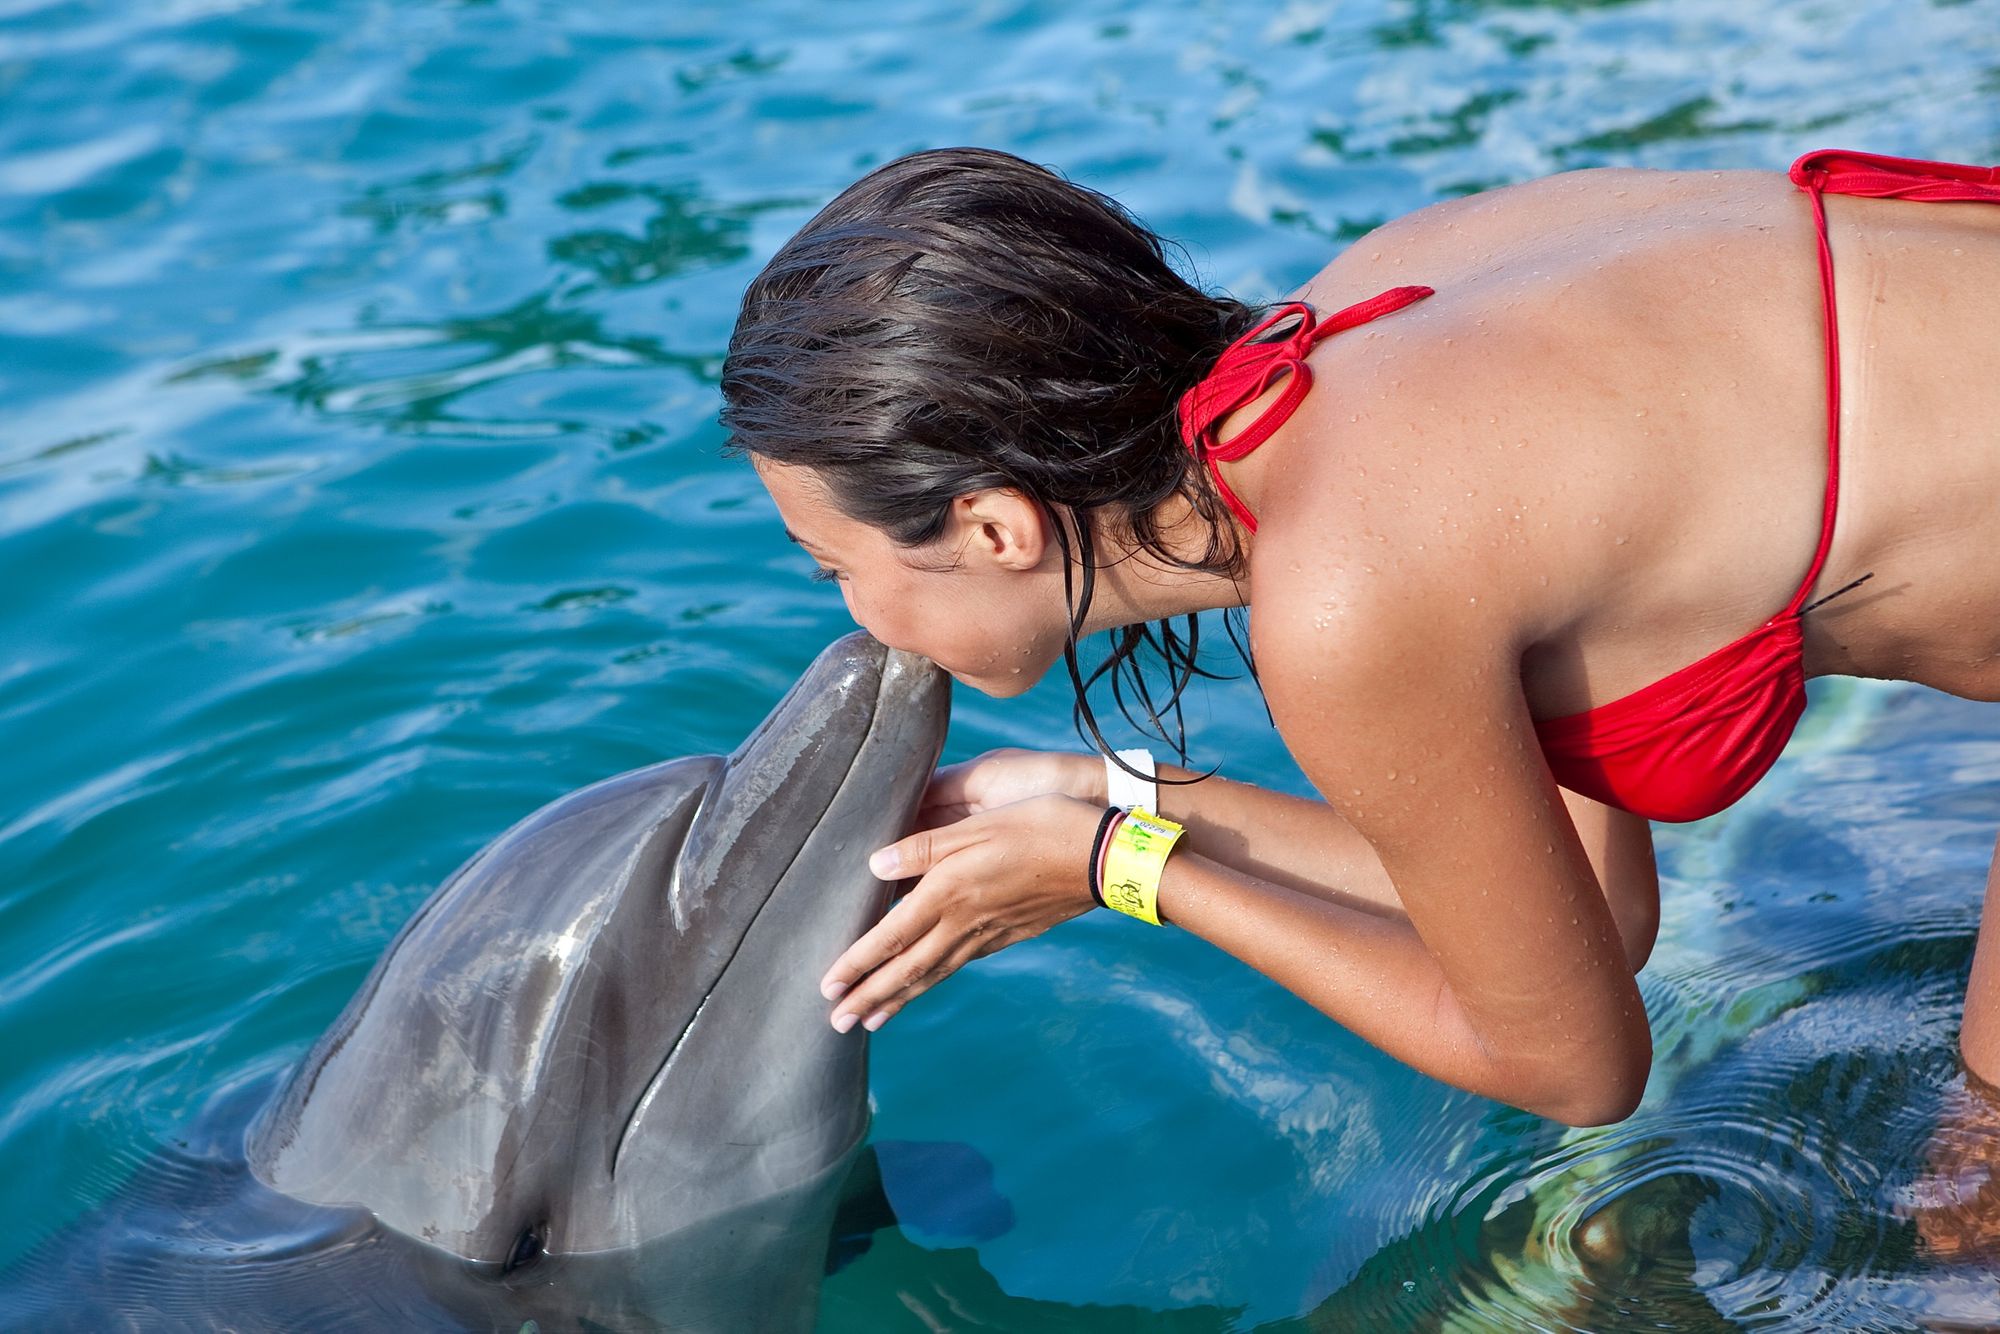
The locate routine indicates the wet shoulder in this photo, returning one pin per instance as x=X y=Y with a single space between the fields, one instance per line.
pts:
x=1605 y=426
x=1578 y=212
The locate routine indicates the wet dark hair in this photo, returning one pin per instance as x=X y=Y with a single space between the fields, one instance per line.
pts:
x=962 y=319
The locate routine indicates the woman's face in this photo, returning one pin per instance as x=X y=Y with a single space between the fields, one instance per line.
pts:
x=984 y=601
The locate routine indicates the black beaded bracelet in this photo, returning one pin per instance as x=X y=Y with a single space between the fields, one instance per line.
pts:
x=1111 y=813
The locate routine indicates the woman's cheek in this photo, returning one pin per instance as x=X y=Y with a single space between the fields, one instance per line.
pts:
x=869 y=617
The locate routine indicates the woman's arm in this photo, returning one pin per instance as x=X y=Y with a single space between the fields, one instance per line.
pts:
x=998 y=867
x=1307 y=846
x=1510 y=977
x=1537 y=1038
x=1377 y=977
x=1299 y=843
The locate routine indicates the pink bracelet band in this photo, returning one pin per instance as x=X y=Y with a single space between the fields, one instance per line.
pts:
x=1099 y=846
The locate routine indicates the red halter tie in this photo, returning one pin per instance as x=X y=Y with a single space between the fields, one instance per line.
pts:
x=1248 y=367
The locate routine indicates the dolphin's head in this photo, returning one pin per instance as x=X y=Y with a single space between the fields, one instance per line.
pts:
x=606 y=1027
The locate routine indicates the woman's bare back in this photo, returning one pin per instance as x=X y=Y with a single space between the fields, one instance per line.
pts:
x=1617 y=401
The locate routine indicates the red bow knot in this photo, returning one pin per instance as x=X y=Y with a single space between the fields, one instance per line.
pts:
x=1251 y=365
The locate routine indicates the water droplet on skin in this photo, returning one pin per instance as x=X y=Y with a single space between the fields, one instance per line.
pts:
x=1621 y=541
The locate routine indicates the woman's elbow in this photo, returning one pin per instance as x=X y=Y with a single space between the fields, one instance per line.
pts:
x=1597 y=1108
x=1598 y=1097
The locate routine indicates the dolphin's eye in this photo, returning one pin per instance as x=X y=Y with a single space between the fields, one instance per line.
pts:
x=527 y=1249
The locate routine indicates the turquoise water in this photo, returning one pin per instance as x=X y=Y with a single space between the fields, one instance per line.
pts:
x=360 y=492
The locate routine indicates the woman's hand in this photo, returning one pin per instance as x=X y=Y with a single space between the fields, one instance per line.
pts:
x=998 y=876
x=1003 y=777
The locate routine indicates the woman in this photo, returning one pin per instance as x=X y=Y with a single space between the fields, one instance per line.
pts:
x=1495 y=514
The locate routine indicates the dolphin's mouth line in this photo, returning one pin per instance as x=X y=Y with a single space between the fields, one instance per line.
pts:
x=632 y=1116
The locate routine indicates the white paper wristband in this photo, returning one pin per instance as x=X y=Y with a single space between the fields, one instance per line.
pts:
x=1122 y=789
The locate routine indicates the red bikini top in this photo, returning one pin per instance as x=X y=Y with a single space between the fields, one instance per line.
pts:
x=1690 y=744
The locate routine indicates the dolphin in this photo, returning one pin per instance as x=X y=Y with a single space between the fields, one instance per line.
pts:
x=591 y=1083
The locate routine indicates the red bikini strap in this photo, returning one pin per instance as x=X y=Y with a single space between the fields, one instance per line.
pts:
x=1813 y=179
x=1248 y=367
x=1873 y=176
x=1878 y=177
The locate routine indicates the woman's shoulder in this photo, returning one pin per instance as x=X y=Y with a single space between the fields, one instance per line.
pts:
x=1614 y=363
x=1588 y=210
x=1461 y=459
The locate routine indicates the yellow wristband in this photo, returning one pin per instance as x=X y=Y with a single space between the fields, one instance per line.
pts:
x=1134 y=861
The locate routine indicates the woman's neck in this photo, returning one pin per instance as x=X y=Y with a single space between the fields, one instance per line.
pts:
x=1135 y=585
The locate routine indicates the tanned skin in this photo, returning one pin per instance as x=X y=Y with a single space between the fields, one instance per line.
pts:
x=1597 y=454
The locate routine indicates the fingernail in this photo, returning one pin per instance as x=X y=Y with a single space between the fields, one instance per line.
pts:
x=843 y=1022
x=832 y=990
x=883 y=864
x=876 y=1020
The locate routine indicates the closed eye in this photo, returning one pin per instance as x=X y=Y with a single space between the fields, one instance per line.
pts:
x=822 y=575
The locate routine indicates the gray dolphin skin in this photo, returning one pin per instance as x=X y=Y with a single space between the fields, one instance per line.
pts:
x=590 y=1085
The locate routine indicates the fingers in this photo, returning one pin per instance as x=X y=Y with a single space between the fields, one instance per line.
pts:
x=905 y=857
x=912 y=948
x=937 y=816
x=948 y=786
x=910 y=974
x=981 y=882
x=916 y=854
x=908 y=921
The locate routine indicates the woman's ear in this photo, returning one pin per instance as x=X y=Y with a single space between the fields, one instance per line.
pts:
x=1000 y=529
